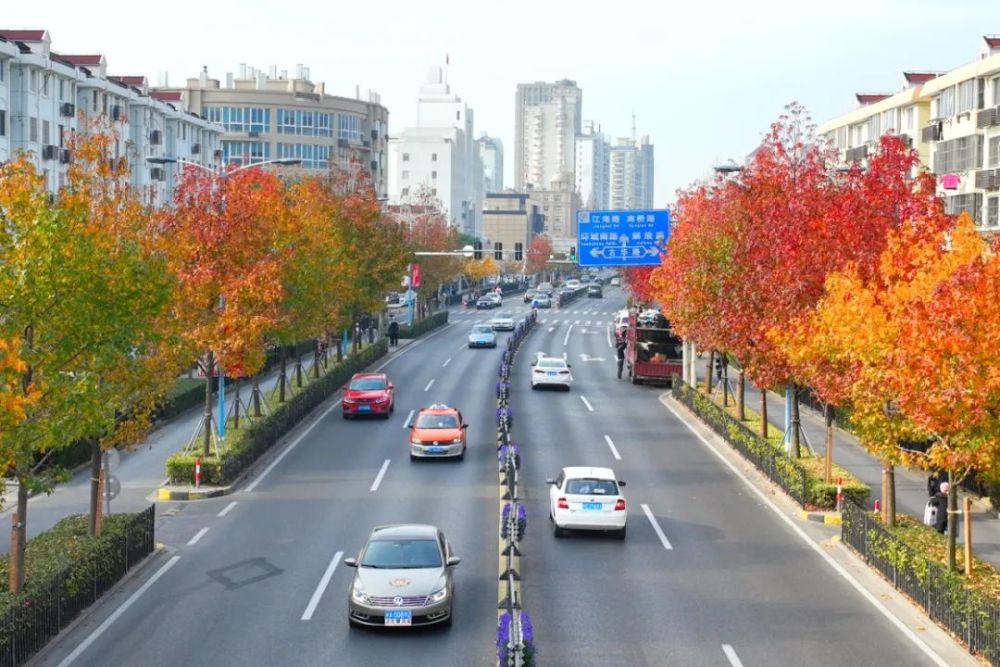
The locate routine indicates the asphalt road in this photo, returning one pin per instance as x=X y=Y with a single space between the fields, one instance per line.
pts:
x=241 y=576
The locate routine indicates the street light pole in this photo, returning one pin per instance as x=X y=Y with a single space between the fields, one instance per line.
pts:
x=221 y=174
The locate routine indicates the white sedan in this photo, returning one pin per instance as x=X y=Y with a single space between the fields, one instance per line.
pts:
x=552 y=372
x=502 y=322
x=583 y=498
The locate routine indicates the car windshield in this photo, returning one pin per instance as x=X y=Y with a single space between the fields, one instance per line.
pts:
x=482 y=329
x=552 y=363
x=596 y=487
x=437 y=421
x=402 y=554
x=502 y=316
x=367 y=384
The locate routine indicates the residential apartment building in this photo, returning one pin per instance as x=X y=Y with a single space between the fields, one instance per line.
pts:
x=951 y=118
x=439 y=157
x=593 y=167
x=491 y=156
x=510 y=218
x=547 y=120
x=268 y=116
x=559 y=204
x=631 y=184
x=47 y=96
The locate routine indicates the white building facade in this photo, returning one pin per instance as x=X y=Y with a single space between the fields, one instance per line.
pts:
x=631 y=184
x=439 y=157
x=593 y=167
x=546 y=124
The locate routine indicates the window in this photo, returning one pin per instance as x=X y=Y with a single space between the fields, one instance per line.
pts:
x=434 y=174
x=93 y=101
x=946 y=103
x=33 y=129
x=996 y=90
x=406 y=175
x=62 y=89
x=62 y=138
x=104 y=103
x=406 y=157
x=994 y=157
x=958 y=155
x=45 y=131
x=241 y=119
x=874 y=128
x=434 y=192
x=908 y=116
x=3 y=123
x=434 y=157
x=993 y=212
x=32 y=81
x=406 y=191
x=45 y=84
x=245 y=152
x=3 y=67
x=966 y=96
x=970 y=203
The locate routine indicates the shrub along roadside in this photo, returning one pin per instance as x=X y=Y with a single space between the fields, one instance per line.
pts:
x=802 y=479
x=423 y=326
x=249 y=443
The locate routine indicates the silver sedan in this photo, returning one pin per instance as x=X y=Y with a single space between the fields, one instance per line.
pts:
x=403 y=578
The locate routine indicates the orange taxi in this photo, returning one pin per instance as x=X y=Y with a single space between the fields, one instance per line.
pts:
x=437 y=432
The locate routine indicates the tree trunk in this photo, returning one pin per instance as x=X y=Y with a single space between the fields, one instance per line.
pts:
x=298 y=370
x=890 y=496
x=967 y=533
x=236 y=405
x=883 y=515
x=95 y=485
x=17 y=535
x=828 y=454
x=709 y=370
x=725 y=381
x=316 y=361
x=763 y=413
x=952 y=516
x=796 y=450
x=256 y=396
x=741 y=406
x=209 y=365
x=340 y=349
x=281 y=377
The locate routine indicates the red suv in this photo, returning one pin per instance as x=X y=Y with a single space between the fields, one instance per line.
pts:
x=368 y=394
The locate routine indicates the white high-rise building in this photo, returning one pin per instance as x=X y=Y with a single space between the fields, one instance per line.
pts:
x=491 y=156
x=632 y=174
x=593 y=167
x=439 y=155
x=546 y=124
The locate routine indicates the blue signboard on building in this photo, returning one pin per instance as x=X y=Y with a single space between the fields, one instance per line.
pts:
x=622 y=238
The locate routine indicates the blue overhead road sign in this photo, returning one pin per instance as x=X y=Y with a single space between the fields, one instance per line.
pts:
x=622 y=238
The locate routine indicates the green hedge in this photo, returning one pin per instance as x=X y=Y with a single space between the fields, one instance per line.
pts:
x=423 y=326
x=249 y=443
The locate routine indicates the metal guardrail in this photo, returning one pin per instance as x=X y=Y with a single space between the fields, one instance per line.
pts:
x=39 y=614
x=515 y=641
x=972 y=618
x=778 y=467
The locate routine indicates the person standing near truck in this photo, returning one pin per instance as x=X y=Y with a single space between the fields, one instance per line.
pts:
x=620 y=348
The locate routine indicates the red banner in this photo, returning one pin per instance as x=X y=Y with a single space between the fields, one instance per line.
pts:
x=415 y=276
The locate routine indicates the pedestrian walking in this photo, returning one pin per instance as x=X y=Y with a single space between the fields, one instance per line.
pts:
x=620 y=348
x=393 y=331
x=936 y=511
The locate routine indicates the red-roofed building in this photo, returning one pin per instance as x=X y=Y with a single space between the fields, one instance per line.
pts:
x=24 y=35
x=870 y=98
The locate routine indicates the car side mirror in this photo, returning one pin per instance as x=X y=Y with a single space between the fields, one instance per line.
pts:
x=621 y=482
x=344 y=388
x=391 y=386
x=351 y=562
x=549 y=480
x=465 y=426
x=453 y=561
x=569 y=365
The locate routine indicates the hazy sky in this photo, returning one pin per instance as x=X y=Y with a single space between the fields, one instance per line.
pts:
x=705 y=78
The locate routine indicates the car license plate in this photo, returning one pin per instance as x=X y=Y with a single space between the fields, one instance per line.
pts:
x=552 y=374
x=398 y=617
x=434 y=450
x=364 y=408
x=592 y=506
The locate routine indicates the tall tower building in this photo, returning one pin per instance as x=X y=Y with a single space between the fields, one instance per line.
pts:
x=593 y=167
x=632 y=174
x=491 y=155
x=547 y=119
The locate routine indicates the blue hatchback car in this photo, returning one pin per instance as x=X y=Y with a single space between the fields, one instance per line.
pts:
x=482 y=335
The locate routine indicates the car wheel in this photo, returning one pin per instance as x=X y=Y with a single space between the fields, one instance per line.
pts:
x=461 y=457
x=412 y=457
x=620 y=534
x=446 y=623
x=352 y=623
x=534 y=387
x=386 y=415
x=556 y=530
x=392 y=406
x=347 y=416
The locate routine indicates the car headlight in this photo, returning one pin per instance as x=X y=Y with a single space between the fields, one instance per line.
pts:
x=456 y=441
x=358 y=594
x=438 y=596
x=416 y=441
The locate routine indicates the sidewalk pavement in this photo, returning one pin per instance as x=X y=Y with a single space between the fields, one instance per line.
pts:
x=911 y=485
x=141 y=471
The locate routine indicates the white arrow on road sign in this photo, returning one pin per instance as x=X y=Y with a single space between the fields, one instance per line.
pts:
x=587 y=357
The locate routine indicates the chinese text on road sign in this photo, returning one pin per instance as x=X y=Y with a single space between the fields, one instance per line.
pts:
x=622 y=238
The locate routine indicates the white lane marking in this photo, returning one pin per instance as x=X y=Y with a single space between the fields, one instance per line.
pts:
x=586 y=402
x=197 y=536
x=551 y=329
x=282 y=455
x=577 y=322
x=837 y=567
x=587 y=323
x=228 y=508
x=566 y=339
x=448 y=361
x=92 y=637
x=564 y=356
x=406 y=424
x=462 y=346
x=609 y=337
x=379 y=476
x=656 y=527
x=321 y=587
x=607 y=439
x=734 y=659
x=429 y=384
